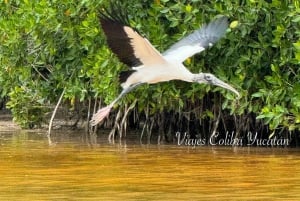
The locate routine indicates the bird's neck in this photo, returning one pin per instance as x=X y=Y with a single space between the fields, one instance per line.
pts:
x=182 y=73
x=197 y=77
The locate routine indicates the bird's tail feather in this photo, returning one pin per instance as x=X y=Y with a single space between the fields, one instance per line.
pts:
x=124 y=75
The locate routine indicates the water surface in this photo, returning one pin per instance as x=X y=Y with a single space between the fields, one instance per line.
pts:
x=76 y=169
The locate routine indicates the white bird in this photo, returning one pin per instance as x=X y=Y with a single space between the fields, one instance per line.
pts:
x=150 y=66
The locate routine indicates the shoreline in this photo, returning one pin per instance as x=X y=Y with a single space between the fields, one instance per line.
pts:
x=7 y=124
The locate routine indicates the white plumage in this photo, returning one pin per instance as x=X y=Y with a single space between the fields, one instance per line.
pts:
x=150 y=66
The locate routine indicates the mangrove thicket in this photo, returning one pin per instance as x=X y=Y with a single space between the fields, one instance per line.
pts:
x=50 y=48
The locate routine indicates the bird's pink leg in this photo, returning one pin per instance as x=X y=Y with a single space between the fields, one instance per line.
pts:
x=104 y=112
x=100 y=115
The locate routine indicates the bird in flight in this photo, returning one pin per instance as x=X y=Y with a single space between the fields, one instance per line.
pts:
x=147 y=64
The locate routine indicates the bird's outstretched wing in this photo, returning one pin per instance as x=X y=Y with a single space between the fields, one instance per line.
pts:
x=130 y=47
x=198 y=41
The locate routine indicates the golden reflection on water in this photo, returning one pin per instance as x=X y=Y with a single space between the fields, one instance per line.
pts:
x=31 y=170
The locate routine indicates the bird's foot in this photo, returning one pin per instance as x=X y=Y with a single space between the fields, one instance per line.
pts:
x=100 y=115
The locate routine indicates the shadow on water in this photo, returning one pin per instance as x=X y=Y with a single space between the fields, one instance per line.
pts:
x=83 y=167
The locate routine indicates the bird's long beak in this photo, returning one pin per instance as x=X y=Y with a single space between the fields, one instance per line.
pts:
x=220 y=83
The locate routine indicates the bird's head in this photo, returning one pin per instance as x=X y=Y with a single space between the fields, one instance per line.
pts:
x=208 y=78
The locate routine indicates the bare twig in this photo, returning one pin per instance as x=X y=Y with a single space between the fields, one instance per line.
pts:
x=216 y=124
x=123 y=122
x=88 y=116
x=111 y=135
x=53 y=115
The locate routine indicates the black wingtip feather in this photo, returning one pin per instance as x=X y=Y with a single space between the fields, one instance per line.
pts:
x=114 y=13
x=113 y=20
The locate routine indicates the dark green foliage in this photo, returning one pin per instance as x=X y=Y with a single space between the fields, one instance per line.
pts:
x=46 y=46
